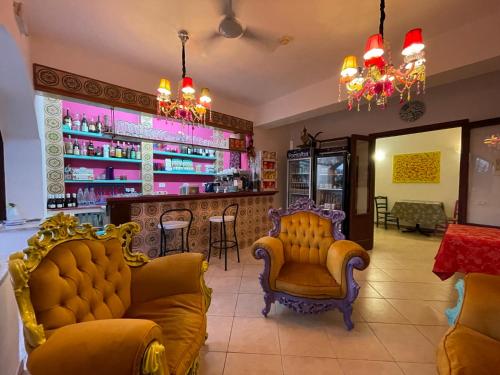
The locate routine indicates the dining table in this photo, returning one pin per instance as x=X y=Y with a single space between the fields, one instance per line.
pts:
x=419 y=214
x=468 y=248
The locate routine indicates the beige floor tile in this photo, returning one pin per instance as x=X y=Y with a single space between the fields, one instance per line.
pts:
x=254 y=335
x=366 y=290
x=405 y=342
x=422 y=275
x=293 y=365
x=423 y=291
x=441 y=306
x=371 y=274
x=251 y=305
x=219 y=331
x=217 y=269
x=252 y=270
x=250 y=285
x=418 y=368
x=433 y=333
x=223 y=304
x=363 y=367
x=304 y=339
x=212 y=363
x=378 y=310
x=359 y=343
x=252 y=364
x=225 y=284
x=418 y=312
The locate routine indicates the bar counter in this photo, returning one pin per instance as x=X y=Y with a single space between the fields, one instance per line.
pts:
x=252 y=221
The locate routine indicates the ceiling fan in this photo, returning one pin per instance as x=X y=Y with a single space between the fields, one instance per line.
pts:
x=231 y=27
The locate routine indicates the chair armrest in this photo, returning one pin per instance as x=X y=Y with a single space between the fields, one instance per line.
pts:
x=99 y=347
x=481 y=306
x=338 y=257
x=271 y=250
x=167 y=276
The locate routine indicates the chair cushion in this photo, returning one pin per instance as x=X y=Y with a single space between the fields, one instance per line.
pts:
x=464 y=351
x=183 y=325
x=174 y=224
x=218 y=219
x=307 y=280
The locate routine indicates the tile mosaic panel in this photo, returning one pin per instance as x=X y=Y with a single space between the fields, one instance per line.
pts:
x=54 y=145
x=147 y=158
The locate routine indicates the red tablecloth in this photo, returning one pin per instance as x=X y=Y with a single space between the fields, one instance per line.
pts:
x=468 y=248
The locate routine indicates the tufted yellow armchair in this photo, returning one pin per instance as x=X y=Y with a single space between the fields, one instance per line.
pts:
x=91 y=306
x=308 y=266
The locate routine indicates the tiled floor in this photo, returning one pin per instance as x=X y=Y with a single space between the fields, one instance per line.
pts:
x=399 y=319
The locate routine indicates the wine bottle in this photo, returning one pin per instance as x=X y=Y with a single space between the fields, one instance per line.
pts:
x=67 y=120
x=77 y=124
x=85 y=124
x=74 y=200
x=68 y=146
x=67 y=201
x=128 y=151
x=112 y=150
x=107 y=125
x=90 y=149
x=132 y=153
x=76 y=148
x=92 y=127
x=118 y=150
x=51 y=204
x=83 y=149
x=98 y=125
x=138 y=155
x=60 y=201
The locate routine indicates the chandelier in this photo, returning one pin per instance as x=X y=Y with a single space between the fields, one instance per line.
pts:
x=379 y=78
x=185 y=107
x=492 y=141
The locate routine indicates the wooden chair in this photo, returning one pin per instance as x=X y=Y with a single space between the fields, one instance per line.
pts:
x=381 y=210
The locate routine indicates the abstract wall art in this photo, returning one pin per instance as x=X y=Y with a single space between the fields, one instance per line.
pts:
x=419 y=168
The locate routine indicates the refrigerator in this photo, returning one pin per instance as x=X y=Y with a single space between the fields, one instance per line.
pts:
x=331 y=190
x=300 y=175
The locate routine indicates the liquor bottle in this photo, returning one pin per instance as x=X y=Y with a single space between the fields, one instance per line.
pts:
x=118 y=151
x=76 y=148
x=90 y=149
x=51 y=203
x=112 y=150
x=68 y=146
x=67 y=201
x=92 y=127
x=132 y=153
x=77 y=124
x=67 y=120
x=98 y=125
x=128 y=151
x=107 y=125
x=138 y=155
x=85 y=124
x=74 y=200
x=83 y=149
x=60 y=201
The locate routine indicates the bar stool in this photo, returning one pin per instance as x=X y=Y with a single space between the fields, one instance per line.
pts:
x=173 y=225
x=223 y=242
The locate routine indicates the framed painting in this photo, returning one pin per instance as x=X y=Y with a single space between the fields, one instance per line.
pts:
x=419 y=168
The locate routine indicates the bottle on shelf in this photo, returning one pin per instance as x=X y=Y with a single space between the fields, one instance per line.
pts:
x=74 y=201
x=60 y=201
x=68 y=146
x=79 y=197
x=92 y=196
x=132 y=153
x=107 y=125
x=84 y=124
x=105 y=151
x=67 y=120
x=90 y=149
x=98 y=125
x=138 y=155
x=77 y=124
x=83 y=149
x=118 y=151
x=51 y=203
x=86 y=196
x=76 y=148
x=67 y=201
x=92 y=126
x=112 y=150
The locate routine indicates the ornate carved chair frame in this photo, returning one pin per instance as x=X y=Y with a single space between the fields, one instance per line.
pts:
x=62 y=228
x=306 y=305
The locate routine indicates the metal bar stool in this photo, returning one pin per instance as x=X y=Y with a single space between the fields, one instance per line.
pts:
x=223 y=242
x=173 y=225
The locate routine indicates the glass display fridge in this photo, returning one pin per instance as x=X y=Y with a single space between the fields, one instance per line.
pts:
x=299 y=172
x=331 y=179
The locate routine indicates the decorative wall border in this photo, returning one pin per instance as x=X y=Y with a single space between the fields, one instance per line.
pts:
x=64 y=83
x=147 y=158
x=54 y=144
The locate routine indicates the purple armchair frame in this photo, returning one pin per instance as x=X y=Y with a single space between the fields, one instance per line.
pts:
x=305 y=305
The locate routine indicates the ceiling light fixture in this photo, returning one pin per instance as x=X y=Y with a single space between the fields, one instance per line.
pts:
x=493 y=141
x=185 y=107
x=378 y=78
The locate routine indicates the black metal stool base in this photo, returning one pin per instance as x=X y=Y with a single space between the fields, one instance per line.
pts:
x=223 y=243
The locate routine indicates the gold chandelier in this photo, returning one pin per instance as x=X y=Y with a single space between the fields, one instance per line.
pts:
x=379 y=78
x=186 y=107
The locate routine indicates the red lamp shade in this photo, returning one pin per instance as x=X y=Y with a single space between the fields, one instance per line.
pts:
x=414 y=43
x=374 y=47
x=187 y=85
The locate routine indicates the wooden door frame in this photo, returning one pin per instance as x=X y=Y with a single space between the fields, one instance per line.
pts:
x=464 y=125
x=463 y=192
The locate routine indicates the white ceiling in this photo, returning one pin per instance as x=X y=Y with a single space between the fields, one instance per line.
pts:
x=143 y=33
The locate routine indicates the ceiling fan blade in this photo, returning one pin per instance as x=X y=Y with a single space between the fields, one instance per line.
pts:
x=209 y=42
x=261 y=39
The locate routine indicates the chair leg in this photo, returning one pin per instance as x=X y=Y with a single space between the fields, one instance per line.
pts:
x=236 y=240
x=268 y=300
x=161 y=242
x=385 y=222
x=220 y=238
x=182 y=240
x=225 y=248
x=347 y=311
x=397 y=223
x=209 y=240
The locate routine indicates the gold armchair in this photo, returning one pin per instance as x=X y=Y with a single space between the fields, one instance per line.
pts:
x=308 y=266
x=91 y=306
x=472 y=345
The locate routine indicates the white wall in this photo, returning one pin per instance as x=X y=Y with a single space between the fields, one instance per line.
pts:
x=446 y=141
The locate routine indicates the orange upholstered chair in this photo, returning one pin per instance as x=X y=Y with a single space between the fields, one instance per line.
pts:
x=91 y=306
x=308 y=265
x=472 y=345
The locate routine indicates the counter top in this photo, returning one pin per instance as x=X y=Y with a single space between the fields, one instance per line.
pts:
x=177 y=197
